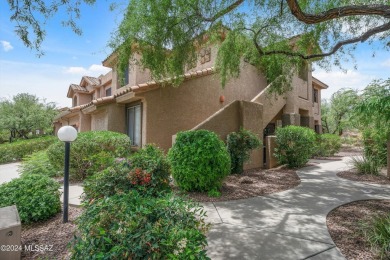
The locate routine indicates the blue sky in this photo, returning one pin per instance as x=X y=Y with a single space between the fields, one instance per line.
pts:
x=68 y=57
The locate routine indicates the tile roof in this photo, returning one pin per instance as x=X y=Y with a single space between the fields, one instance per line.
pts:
x=92 y=80
x=153 y=84
x=98 y=101
x=79 y=88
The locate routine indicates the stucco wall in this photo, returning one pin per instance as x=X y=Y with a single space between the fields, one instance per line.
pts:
x=116 y=114
x=234 y=116
x=272 y=105
x=99 y=121
x=83 y=98
x=226 y=120
x=84 y=122
x=170 y=110
x=71 y=121
x=205 y=65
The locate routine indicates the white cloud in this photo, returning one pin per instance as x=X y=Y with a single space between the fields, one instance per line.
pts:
x=6 y=46
x=338 y=79
x=43 y=80
x=94 y=70
x=386 y=63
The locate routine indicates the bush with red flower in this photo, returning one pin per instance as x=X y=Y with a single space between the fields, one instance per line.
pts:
x=147 y=169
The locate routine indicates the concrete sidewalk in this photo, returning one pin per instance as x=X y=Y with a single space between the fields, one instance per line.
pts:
x=289 y=224
x=8 y=172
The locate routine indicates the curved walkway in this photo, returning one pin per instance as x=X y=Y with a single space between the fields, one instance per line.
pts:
x=289 y=224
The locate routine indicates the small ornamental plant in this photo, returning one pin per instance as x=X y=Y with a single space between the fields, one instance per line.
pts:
x=147 y=170
x=239 y=146
x=294 y=145
x=140 y=177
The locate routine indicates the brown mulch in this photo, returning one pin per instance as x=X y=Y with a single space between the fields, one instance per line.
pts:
x=49 y=239
x=252 y=183
x=344 y=226
x=370 y=178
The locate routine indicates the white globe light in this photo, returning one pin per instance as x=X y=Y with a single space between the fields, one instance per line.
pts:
x=67 y=133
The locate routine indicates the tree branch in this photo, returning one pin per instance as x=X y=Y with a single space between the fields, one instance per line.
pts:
x=336 y=47
x=221 y=13
x=334 y=13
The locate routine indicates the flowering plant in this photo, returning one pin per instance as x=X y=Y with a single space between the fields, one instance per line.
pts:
x=138 y=176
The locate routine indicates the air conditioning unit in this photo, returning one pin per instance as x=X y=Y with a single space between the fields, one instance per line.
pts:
x=10 y=233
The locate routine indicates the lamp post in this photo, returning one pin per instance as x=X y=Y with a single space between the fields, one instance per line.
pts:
x=67 y=134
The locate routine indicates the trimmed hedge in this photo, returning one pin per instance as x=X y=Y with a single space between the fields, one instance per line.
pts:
x=327 y=145
x=15 y=151
x=134 y=226
x=294 y=145
x=91 y=152
x=36 y=197
x=199 y=160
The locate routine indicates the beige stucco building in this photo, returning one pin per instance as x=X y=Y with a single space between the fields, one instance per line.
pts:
x=150 y=112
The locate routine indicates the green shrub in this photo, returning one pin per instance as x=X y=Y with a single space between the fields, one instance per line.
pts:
x=15 y=151
x=199 y=161
x=327 y=145
x=294 y=145
x=36 y=197
x=4 y=136
x=132 y=226
x=152 y=160
x=147 y=169
x=110 y=181
x=90 y=152
x=375 y=144
x=239 y=146
x=38 y=163
x=377 y=232
x=366 y=165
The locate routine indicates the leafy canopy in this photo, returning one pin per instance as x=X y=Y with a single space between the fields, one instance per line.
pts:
x=259 y=31
x=30 y=18
x=25 y=113
x=374 y=106
x=276 y=36
x=336 y=115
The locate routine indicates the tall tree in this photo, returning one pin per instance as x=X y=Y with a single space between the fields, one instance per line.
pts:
x=373 y=118
x=25 y=113
x=274 y=35
x=336 y=114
